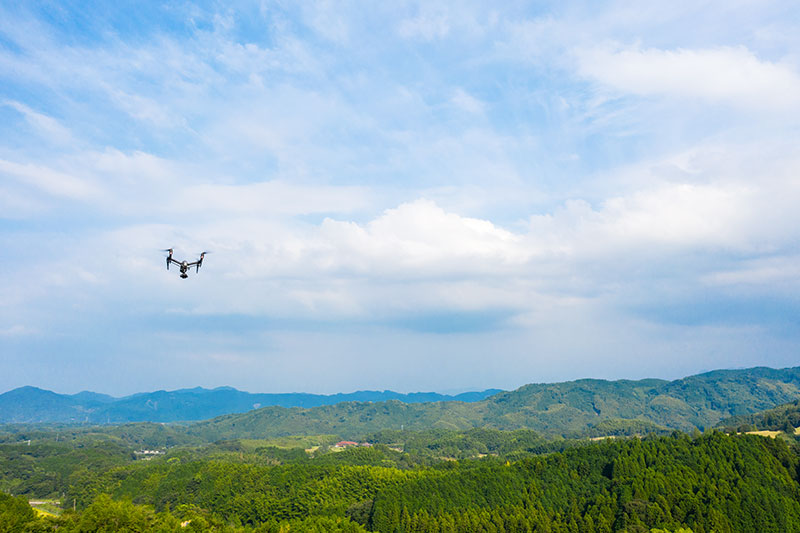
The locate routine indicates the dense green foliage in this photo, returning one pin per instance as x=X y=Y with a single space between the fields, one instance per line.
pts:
x=107 y=515
x=425 y=447
x=142 y=434
x=246 y=493
x=782 y=418
x=713 y=482
x=45 y=470
x=15 y=514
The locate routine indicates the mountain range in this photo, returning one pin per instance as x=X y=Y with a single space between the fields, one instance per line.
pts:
x=587 y=407
x=33 y=405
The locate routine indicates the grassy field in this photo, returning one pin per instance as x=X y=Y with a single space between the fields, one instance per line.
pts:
x=765 y=433
x=305 y=441
x=46 y=507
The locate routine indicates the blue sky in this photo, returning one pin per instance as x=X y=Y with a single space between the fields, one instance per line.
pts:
x=398 y=195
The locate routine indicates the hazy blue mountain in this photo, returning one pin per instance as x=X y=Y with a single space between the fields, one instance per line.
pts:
x=33 y=405
x=96 y=397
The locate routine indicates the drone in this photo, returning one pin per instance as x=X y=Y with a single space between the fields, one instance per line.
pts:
x=185 y=265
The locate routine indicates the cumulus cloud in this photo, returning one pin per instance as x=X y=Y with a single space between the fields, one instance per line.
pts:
x=724 y=75
x=501 y=180
x=681 y=215
x=421 y=256
x=421 y=235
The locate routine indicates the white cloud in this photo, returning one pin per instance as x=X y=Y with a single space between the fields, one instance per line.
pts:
x=774 y=273
x=17 y=204
x=343 y=264
x=146 y=109
x=136 y=166
x=119 y=183
x=421 y=238
x=683 y=215
x=45 y=125
x=728 y=75
x=465 y=101
x=269 y=199
x=49 y=181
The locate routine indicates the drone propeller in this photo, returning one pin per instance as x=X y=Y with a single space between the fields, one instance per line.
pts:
x=200 y=261
x=170 y=250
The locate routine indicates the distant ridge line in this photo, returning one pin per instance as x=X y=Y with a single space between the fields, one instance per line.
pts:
x=598 y=406
x=568 y=409
x=30 y=404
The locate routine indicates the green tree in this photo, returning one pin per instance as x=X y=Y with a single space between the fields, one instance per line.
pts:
x=15 y=514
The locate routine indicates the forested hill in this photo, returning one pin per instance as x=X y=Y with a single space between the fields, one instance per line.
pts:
x=711 y=483
x=572 y=408
x=785 y=417
x=34 y=405
x=582 y=407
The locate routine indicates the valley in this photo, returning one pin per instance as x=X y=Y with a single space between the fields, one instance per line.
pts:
x=510 y=462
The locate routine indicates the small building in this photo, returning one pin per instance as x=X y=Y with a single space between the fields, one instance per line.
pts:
x=348 y=443
x=148 y=454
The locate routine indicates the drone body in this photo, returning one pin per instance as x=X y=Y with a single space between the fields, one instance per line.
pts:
x=185 y=265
